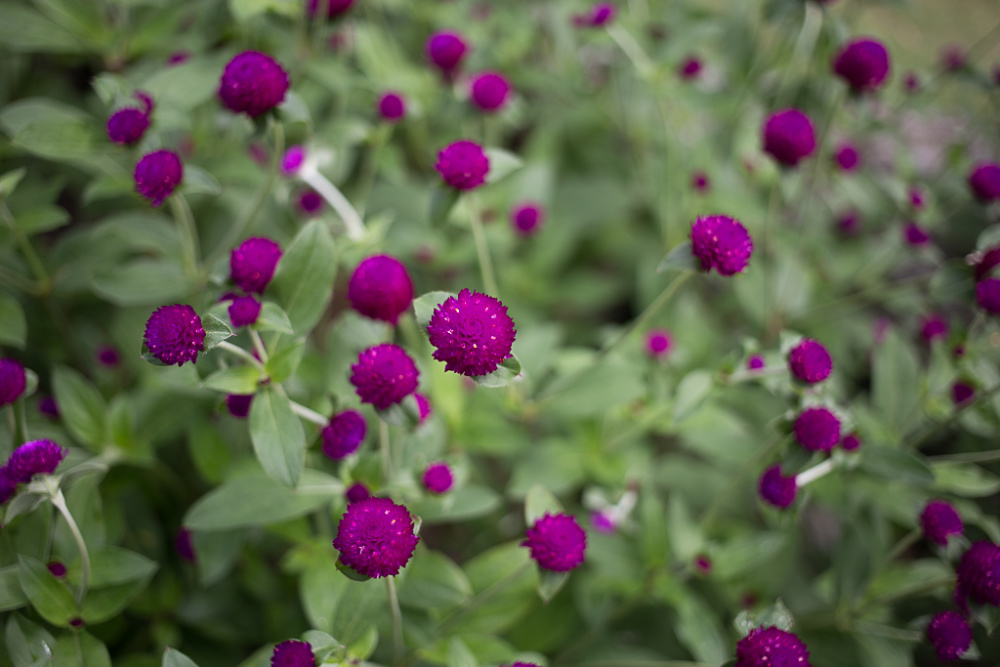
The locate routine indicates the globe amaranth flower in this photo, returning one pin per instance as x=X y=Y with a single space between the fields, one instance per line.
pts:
x=438 y=478
x=375 y=537
x=984 y=180
x=292 y=160
x=950 y=635
x=126 y=126
x=789 y=136
x=108 y=355
x=777 y=489
x=184 y=545
x=356 y=492
x=915 y=235
x=157 y=174
x=344 y=434
x=446 y=50
x=253 y=83
x=809 y=362
x=700 y=182
x=13 y=381
x=817 y=429
x=8 y=485
x=380 y=288
x=384 y=375
x=850 y=442
x=933 y=327
x=979 y=575
x=557 y=542
x=34 y=458
x=48 y=407
x=961 y=392
x=423 y=407
x=310 y=202
x=472 y=333
x=659 y=342
x=174 y=334
x=489 y=91
x=293 y=653
x=526 y=218
x=988 y=295
x=239 y=405
x=939 y=519
x=253 y=262
x=690 y=68
x=603 y=522
x=984 y=264
x=755 y=363
x=332 y=8
x=771 y=647
x=847 y=157
x=392 y=107
x=463 y=165
x=722 y=243
x=849 y=224
x=863 y=63
x=244 y=311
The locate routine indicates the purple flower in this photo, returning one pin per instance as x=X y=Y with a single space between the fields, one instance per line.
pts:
x=658 y=343
x=777 y=489
x=13 y=381
x=863 y=63
x=126 y=126
x=755 y=363
x=252 y=263
x=847 y=157
x=915 y=235
x=332 y=8
x=849 y=224
x=384 y=375
x=463 y=165
x=472 y=333
x=38 y=457
x=953 y=58
x=178 y=57
x=771 y=647
x=253 y=83
x=108 y=355
x=557 y=542
x=157 y=174
x=985 y=264
x=244 y=311
x=939 y=519
x=700 y=182
x=375 y=537
x=911 y=82
x=48 y=407
x=984 y=180
x=961 y=392
x=950 y=635
x=310 y=203
x=916 y=196
x=438 y=478
x=979 y=575
x=146 y=100
x=521 y=664
x=789 y=136
x=599 y=15
x=850 y=442
x=932 y=327
x=690 y=68
x=423 y=407
x=527 y=217
x=174 y=334
x=8 y=485
x=57 y=569
x=446 y=50
x=292 y=160
x=988 y=295
x=392 y=107
x=293 y=653
x=356 y=492
x=722 y=243
x=810 y=362
x=380 y=288
x=184 y=546
x=239 y=405
x=817 y=429
x=344 y=434
x=603 y=522
x=489 y=91
x=703 y=564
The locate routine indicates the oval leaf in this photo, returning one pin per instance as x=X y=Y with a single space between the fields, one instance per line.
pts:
x=278 y=439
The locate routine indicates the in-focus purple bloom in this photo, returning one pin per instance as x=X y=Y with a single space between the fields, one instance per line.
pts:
x=446 y=50
x=472 y=333
x=356 y=492
x=850 y=442
x=239 y=405
x=915 y=235
x=961 y=392
x=310 y=202
x=253 y=262
x=438 y=478
x=293 y=653
x=253 y=83
x=157 y=174
x=344 y=434
x=527 y=217
x=48 y=407
x=184 y=545
x=789 y=137
x=332 y=8
x=38 y=457
x=979 y=575
x=939 y=519
x=863 y=63
x=375 y=537
x=463 y=165
x=384 y=375
x=817 y=429
x=392 y=107
x=658 y=343
x=809 y=362
x=847 y=157
x=174 y=334
x=777 y=489
x=489 y=91
x=423 y=406
x=771 y=647
x=933 y=327
x=292 y=160
x=690 y=68
x=557 y=542
x=126 y=126
x=984 y=180
x=950 y=635
x=380 y=288
x=244 y=311
x=988 y=295
x=13 y=381
x=722 y=243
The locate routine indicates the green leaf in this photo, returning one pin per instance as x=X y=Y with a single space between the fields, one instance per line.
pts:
x=197 y=181
x=680 y=258
x=142 y=282
x=112 y=566
x=187 y=85
x=42 y=219
x=538 y=503
x=216 y=331
x=174 y=658
x=964 y=479
x=550 y=583
x=273 y=318
x=350 y=572
x=81 y=406
x=103 y=604
x=244 y=10
x=699 y=631
x=468 y=502
x=81 y=650
x=895 y=383
x=278 y=439
x=28 y=645
x=49 y=596
x=283 y=363
x=433 y=581
x=217 y=552
x=303 y=282
x=895 y=464
x=11 y=595
x=459 y=654
x=405 y=414
x=9 y=181
x=425 y=305
x=323 y=645
x=234 y=380
x=443 y=200
x=691 y=394
x=511 y=564
x=502 y=164
x=686 y=539
x=24 y=30
x=362 y=649
x=13 y=326
x=505 y=373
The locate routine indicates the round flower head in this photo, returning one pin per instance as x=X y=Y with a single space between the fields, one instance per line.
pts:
x=126 y=126
x=847 y=157
x=777 y=489
x=700 y=182
x=984 y=180
x=157 y=174
x=380 y=288
x=950 y=635
x=489 y=91
x=690 y=68
x=293 y=653
x=463 y=165
x=48 y=407
x=252 y=263
x=962 y=392
x=184 y=545
x=438 y=478
x=953 y=58
x=601 y=14
x=771 y=647
x=526 y=218
x=521 y=664
x=344 y=434
x=108 y=355
x=850 y=442
x=722 y=243
x=423 y=407
x=244 y=311
x=57 y=569
x=446 y=50
x=392 y=107
x=38 y=457
x=253 y=83
x=817 y=429
x=911 y=82
x=755 y=363
x=988 y=295
x=8 y=486
x=789 y=137
x=658 y=343
x=332 y=8
x=915 y=235
x=239 y=405
x=979 y=574
x=932 y=327
x=375 y=537
x=174 y=334
x=985 y=264
x=356 y=492
x=310 y=202
x=557 y=542
x=13 y=381
x=472 y=333
x=603 y=522
x=939 y=519
x=916 y=196
x=292 y=160
x=384 y=375
x=810 y=362
x=863 y=64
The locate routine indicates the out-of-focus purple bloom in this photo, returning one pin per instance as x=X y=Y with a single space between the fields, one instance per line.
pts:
x=392 y=107
x=253 y=83
x=438 y=478
x=984 y=181
x=789 y=137
x=157 y=174
x=380 y=288
x=446 y=50
x=810 y=362
x=933 y=327
x=777 y=489
x=239 y=405
x=939 y=520
x=658 y=343
x=253 y=262
x=988 y=295
x=847 y=157
x=489 y=91
x=527 y=217
x=126 y=126
x=961 y=392
x=13 y=381
x=344 y=434
x=950 y=635
x=863 y=63
x=463 y=165
x=690 y=68
x=915 y=235
x=817 y=429
x=184 y=545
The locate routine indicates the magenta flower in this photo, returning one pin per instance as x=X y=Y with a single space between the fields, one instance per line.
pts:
x=599 y=15
x=356 y=492
x=916 y=196
x=239 y=405
x=911 y=82
x=557 y=542
x=157 y=174
x=953 y=58
x=380 y=288
x=771 y=647
x=789 y=137
x=438 y=478
x=700 y=182
x=703 y=564
x=690 y=68
x=184 y=546
x=521 y=664
x=489 y=91
x=293 y=653
x=344 y=434
x=375 y=537
x=146 y=100
x=755 y=363
x=915 y=235
x=527 y=217
x=986 y=263
x=722 y=243
x=446 y=50
x=108 y=355
x=310 y=203
x=384 y=375
x=392 y=107
x=939 y=519
x=658 y=343
x=178 y=57
x=777 y=489
x=126 y=126
x=292 y=160
x=847 y=157
x=57 y=569
x=253 y=83
x=961 y=392
x=423 y=407
x=950 y=635
x=244 y=311
x=809 y=362
x=332 y=8
x=849 y=224
x=850 y=442
x=174 y=334
x=817 y=429
x=463 y=165
x=603 y=522
x=988 y=295
x=13 y=381
x=38 y=457
x=253 y=262
x=8 y=486
x=984 y=180
x=979 y=575
x=863 y=63
x=932 y=327
x=48 y=407
x=472 y=333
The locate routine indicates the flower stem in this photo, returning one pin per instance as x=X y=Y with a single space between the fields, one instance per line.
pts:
x=397 y=622
x=240 y=352
x=188 y=233
x=482 y=250
x=968 y=457
x=336 y=199
x=59 y=502
x=258 y=345
x=384 y=448
x=308 y=415
x=814 y=473
x=41 y=275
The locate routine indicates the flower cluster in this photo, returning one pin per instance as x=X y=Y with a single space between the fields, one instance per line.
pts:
x=375 y=537
x=472 y=333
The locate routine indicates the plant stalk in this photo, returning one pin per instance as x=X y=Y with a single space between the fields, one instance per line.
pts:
x=397 y=622
x=482 y=249
x=59 y=502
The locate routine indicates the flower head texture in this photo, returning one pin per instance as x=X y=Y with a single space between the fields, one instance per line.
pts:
x=722 y=243
x=950 y=635
x=438 y=478
x=375 y=537
x=423 y=406
x=850 y=442
x=526 y=218
x=356 y=492
x=863 y=63
x=984 y=181
x=253 y=262
x=384 y=375
x=817 y=429
x=392 y=107
x=939 y=519
x=771 y=647
x=332 y=8
x=489 y=91
x=253 y=83
x=13 y=381
x=777 y=489
x=979 y=574
x=988 y=295
x=472 y=333
x=446 y=50
x=847 y=157
x=658 y=343
x=557 y=542
x=244 y=311
x=810 y=362
x=293 y=653
x=38 y=457
x=789 y=137
x=380 y=288
x=174 y=334
x=463 y=165
x=344 y=434
x=933 y=327
x=239 y=405
x=157 y=174
x=126 y=126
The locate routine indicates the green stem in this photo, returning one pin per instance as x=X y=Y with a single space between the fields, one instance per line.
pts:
x=258 y=345
x=308 y=414
x=397 y=622
x=805 y=45
x=901 y=546
x=188 y=233
x=482 y=250
x=367 y=179
x=968 y=457
x=750 y=464
x=20 y=422
x=59 y=502
x=919 y=589
x=384 y=449
x=240 y=352
x=935 y=428
x=41 y=275
x=772 y=212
